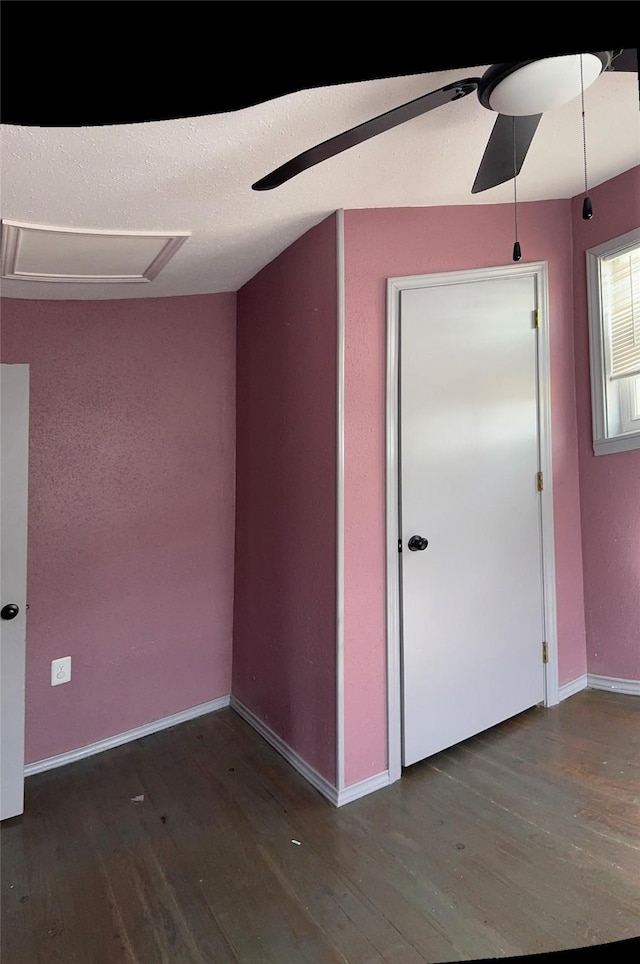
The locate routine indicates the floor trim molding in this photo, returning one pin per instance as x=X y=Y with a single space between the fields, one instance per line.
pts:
x=572 y=687
x=120 y=738
x=364 y=787
x=337 y=797
x=629 y=686
x=305 y=770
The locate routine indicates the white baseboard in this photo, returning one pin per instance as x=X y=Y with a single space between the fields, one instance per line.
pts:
x=361 y=789
x=304 y=769
x=92 y=748
x=337 y=797
x=629 y=686
x=572 y=687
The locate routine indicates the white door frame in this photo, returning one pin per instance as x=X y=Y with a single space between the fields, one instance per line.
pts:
x=395 y=286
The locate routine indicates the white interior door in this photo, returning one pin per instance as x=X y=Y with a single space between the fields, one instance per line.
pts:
x=14 y=441
x=472 y=603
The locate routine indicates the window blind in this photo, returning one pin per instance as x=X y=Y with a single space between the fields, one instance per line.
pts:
x=621 y=303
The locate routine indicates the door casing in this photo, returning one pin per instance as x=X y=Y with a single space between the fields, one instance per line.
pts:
x=538 y=271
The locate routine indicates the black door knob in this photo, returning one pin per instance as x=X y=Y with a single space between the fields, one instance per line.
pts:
x=9 y=611
x=417 y=543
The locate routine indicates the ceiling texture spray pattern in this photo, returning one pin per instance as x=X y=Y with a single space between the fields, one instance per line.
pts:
x=195 y=174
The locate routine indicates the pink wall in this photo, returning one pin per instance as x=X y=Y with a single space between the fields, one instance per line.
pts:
x=132 y=484
x=609 y=484
x=131 y=509
x=284 y=665
x=394 y=242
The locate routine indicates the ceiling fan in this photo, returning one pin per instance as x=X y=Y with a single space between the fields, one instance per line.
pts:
x=518 y=92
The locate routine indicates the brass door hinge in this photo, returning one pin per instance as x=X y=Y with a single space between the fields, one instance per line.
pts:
x=540 y=481
x=536 y=318
x=545 y=653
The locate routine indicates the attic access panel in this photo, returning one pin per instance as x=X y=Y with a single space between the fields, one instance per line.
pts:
x=37 y=252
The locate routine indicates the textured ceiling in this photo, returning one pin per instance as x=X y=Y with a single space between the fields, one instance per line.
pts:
x=195 y=174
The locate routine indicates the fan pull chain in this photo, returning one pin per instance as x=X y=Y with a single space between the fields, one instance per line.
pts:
x=587 y=209
x=517 y=253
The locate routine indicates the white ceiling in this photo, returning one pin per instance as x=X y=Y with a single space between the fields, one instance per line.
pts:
x=195 y=174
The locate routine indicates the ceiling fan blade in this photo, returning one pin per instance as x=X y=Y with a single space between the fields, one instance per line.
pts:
x=377 y=125
x=497 y=164
x=625 y=61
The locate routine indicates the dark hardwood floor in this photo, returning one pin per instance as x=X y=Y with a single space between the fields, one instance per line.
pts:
x=525 y=839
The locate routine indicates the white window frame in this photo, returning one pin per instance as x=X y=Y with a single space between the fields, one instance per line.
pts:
x=626 y=439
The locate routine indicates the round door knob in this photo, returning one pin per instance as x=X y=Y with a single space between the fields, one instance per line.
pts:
x=417 y=543
x=10 y=611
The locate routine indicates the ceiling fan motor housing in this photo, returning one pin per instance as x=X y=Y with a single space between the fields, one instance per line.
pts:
x=534 y=86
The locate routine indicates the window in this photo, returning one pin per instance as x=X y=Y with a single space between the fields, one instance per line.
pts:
x=613 y=278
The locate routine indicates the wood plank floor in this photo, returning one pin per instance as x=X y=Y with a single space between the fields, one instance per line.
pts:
x=524 y=839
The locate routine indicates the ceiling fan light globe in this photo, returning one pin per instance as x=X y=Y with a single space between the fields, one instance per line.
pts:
x=543 y=84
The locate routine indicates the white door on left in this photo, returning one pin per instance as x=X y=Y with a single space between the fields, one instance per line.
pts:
x=14 y=444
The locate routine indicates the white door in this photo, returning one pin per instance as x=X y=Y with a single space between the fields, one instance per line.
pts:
x=472 y=604
x=14 y=440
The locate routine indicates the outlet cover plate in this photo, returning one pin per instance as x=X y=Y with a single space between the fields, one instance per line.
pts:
x=60 y=670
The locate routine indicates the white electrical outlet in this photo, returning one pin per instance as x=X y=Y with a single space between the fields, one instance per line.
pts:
x=60 y=670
